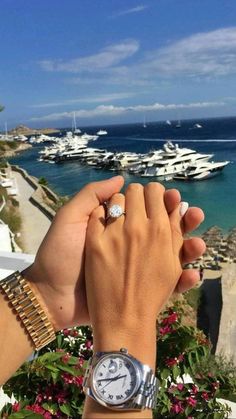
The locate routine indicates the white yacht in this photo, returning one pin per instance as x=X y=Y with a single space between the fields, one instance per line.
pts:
x=174 y=161
x=168 y=122
x=102 y=132
x=201 y=171
x=197 y=126
x=123 y=160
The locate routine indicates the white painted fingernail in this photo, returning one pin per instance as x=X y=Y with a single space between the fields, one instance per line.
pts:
x=183 y=208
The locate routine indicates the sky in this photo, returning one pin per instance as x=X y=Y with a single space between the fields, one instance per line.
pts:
x=116 y=61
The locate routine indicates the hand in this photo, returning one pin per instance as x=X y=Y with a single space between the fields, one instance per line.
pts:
x=132 y=266
x=58 y=270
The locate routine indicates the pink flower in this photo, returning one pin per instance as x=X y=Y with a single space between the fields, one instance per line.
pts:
x=16 y=407
x=180 y=386
x=47 y=415
x=66 y=332
x=170 y=362
x=172 y=318
x=177 y=408
x=88 y=344
x=36 y=408
x=180 y=357
x=194 y=389
x=205 y=395
x=191 y=401
x=66 y=358
x=39 y=398
x=164 y=330
x=79 y=381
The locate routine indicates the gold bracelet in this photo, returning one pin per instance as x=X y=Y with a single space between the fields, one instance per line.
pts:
x=27 y=307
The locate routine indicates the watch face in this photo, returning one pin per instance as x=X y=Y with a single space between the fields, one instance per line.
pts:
x=115 y=379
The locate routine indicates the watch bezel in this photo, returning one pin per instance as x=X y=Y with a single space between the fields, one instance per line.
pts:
x=135 y=364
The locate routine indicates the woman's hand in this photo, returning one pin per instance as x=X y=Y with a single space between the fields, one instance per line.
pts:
x=132 y=266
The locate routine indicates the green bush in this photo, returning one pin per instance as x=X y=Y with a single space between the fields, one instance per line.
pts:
x=43 y=181
x=10 y=217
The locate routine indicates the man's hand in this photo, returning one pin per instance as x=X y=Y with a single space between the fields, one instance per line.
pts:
x=58 y=270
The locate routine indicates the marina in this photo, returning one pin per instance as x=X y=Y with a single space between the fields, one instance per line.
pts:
x=171 y=161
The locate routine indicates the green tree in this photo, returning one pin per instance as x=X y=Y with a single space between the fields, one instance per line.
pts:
x=1 y=108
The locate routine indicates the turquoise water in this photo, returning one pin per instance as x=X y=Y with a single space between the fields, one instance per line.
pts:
x=216 y=196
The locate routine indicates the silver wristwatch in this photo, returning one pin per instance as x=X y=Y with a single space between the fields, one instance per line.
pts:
x=119 y=381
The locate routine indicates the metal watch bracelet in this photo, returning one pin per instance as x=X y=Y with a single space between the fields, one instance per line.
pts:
x=29 y=310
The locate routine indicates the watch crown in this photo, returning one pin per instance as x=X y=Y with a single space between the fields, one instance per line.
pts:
x=124 y=350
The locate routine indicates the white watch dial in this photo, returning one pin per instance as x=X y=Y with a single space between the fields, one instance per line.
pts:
x=115 y=379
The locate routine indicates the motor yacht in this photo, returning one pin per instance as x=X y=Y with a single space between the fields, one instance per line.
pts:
x=102 y=132
x=174 y=161
x=201 y=171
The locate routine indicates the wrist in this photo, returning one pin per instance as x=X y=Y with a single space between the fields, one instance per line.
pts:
x=141 y=342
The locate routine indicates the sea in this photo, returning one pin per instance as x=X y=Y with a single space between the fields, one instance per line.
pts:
x=216 y=196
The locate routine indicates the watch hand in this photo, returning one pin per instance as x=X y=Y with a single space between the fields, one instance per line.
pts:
x=112 y=379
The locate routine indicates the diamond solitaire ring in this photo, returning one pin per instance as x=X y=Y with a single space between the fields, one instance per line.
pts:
x=115 y=211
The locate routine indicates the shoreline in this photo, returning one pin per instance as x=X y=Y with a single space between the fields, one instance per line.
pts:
x=9 y=152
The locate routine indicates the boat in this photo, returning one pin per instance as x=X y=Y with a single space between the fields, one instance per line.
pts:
x=178 y=125
x=102 y=132
x=168 y=122
x=173 y=160
x=144 y=122
x=201 y=171
x=74 y=127
x=197 y=126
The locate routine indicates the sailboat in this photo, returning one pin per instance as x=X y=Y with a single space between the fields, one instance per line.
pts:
x=168 y=122
x=74 y=128
x=178 y=125
x=144 y=122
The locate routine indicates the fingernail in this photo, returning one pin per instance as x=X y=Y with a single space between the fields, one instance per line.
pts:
x=183 y=208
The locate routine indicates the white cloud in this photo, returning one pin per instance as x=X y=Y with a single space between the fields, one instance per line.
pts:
x=96 y=99
x=136 y=9
x=206 y=54
x=200 y=57
x=106 y=58
x=110 y=110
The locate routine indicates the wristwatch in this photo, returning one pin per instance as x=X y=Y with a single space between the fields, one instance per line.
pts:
x=119 y=381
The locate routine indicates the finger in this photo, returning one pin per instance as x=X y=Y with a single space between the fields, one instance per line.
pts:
x=176 y=217
x=90 y=197
x=192 y=249
x=192 y=219
x=96 y=224
x=134 y=203
x=154 y=201
x=172 y=199
x=116 y=199
x=188 y=280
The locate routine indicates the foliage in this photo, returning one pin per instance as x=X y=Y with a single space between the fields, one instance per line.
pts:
x=191 y=379
x=43 y=181
x=10 y=216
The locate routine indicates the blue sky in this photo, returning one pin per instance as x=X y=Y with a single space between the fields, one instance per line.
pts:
x=114 y=61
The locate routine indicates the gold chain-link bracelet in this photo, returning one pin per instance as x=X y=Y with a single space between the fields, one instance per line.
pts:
x=27 y=307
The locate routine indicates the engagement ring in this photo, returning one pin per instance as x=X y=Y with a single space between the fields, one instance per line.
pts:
x=115 y=211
